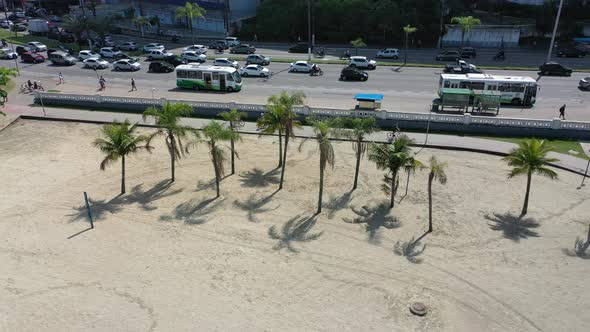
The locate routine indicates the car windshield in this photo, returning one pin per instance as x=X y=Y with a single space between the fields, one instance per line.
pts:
x=237 y=77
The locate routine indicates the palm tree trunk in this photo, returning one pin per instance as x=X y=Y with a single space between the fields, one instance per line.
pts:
x=526 y=196
x=358 y=164
x=123 y=174
x=192 y=31
x=280 y=148
x=284 y=161
x=393 y=178
x=233 y=170
x=462 y=37
x=322 y=166
x=407 y=184
x=172 y=156
x=430 y=178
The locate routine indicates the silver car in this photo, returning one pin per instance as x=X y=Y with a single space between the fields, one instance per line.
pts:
x=7 y=53
x=126 y=64
x=585 y=83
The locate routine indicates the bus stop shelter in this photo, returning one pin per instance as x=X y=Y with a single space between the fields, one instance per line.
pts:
x=486 y=101
x=368 y=101
x=457 y=99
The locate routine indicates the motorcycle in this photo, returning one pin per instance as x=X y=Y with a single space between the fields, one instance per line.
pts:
x=219 y=50
x=500 y=56
x=316 y=71
x=345 y=56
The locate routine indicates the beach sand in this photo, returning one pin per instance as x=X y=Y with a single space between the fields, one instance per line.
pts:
x=170 y=257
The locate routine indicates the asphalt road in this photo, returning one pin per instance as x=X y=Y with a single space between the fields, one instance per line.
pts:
x=407 y=89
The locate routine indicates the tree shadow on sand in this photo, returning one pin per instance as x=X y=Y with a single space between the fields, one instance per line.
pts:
x=374 y=218
x=334 y=204
x=257 y=178
x=295 y=230
x=99 y=209
x=194 y=212
x=205 y=185
x=254 y=206
x=513 y=227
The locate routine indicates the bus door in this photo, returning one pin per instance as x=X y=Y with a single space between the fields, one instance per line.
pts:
x=207 y=80
x=529 y=93
x=222 y=82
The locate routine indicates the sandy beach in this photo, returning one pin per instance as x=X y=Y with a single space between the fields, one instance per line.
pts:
x=170 y=257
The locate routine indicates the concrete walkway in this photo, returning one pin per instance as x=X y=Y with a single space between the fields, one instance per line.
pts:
x=438 y=141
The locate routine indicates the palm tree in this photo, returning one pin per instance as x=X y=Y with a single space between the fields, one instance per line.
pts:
x=391 y=157
x=530 y=157
x=408 y=29
x=190 y=11
x=356 y=130
x=77 y=25
x=167 y=120
x=410 y=168
x=288 y=120
x=141 y=22
x=117 y=141
x=270 y=123
x=466 y=23
x=322 y=131
x=235 y=122
x=437 y=172
x=214 y=133
x=358 y=43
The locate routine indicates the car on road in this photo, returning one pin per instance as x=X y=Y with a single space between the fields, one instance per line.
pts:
x=192 y=56
x=254 y=70
x=388 y=53
x=300 y=67
x=584 y=48
x=299 y=48
x=571 y=52
x=176 y=60
x=461 y=67
x=196 y=48
x=585 y=83
x=153 y=47
x=123 y=56
x=448 y=56
x=258 y=59
x=95 y=63
x=225 y=62
x=554 y=68
x=127 y=46
x=37 y=46
x=109 y=52
x=7 y=53
x=353 y=74
x=126 y=64
x=60 y=58
x=232 y=41
x=160 y=67
x=22 y=49
x=87 y=54
x=31 y=57
x=243 y=49
x=362 y=62
x=468 y=52
x=159 y=55
x=219 y=43
x=6 y=24
x=18 y=27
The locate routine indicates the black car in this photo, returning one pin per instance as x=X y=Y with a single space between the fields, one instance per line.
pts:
x=299 y=48
x=51 y=50
x=571 y=53
x=554 y=68
x=353 y=74
x=219 y=43
x=243 y=49
x=448 y=56
x=468 y=52
x=22 y=49
x=176 y=60
x=160 y=67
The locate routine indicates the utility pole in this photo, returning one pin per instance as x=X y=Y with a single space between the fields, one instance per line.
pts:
x=554 y=31
x=442 y=15
x=309 y=30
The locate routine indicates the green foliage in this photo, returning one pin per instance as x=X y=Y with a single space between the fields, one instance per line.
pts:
x=531 y=157
x=118 y=140
x=6 y=73
x=167 y=118
x=437 y=170
x=190 y=11
x=283 y=104
x=358 y=43
x=466 y=22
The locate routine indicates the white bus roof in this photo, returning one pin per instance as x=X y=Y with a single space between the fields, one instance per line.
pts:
x=488 y=77
x=195 y=66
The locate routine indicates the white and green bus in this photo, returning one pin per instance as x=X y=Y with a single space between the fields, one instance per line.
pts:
x=195 y=76
x=515 y=90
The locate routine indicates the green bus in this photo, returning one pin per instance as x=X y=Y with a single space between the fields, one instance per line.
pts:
x=198 y=77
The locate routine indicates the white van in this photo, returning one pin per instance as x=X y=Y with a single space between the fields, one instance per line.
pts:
x=232 y=41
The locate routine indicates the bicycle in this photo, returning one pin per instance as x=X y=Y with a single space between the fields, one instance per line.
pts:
x=392 y=135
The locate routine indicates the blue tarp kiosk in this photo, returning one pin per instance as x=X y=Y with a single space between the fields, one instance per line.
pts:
x=368 y=101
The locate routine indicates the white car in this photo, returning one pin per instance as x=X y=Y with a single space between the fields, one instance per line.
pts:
x=192 y=56
x=154 y=47
x=225 y=62
x=128 y=46
x=158 y=55
x=232 y=41
x=196 y=48
x=388 y=53
x=362 y=62
x=7 y=53
x=95 y=63
x=6 y=24
x=109 y=52
x=37 y=46
x=86 y=54
x=126 y=64
x=254 y=70
x=300 y=67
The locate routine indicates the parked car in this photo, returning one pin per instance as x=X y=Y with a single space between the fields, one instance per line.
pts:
x=96 y=63
x=554 y=68
x=37 y=46
x=258 y=59
x=127 y=46
x=31 y=57
x=159 y=55
x=243 y=49
x=196 y=48
x=232 y=41
x=388 y=53
x=7 y=53
x=467 y=52
x=584 y=48
x=254 y=70
x=571 y=52
x=65 y=49
x=299 y=48
x=6 y=24
x=461 y=67
x=225 y=62
x=353 y=74
x=22 y=49
x=192 y=56
x=362 y=62
x=219 y=43
x=18 y=27
x=300 y=67
x=153 y=47
x=448 y=56
x=585 y=83
x=160 y=67
x=176 y=60
x=86 y=54
x=123 y=56
x=109 y=52
x=61 y=58
x=126 y=64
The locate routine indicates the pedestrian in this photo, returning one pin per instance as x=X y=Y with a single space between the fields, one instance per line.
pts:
x=35 y=86
x=298 y=38
x=133 y=87
x=29 y=84
x=60 y=78
x=562 y=112
x=255 y=37
x=40 y=87
x=102 y=83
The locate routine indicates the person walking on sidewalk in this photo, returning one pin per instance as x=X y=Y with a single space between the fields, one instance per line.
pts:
x=60 y=78
x=562 y=112
x=133 y=87
x=102 y=82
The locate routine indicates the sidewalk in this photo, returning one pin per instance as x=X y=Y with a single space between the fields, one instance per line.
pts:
x=451 y=142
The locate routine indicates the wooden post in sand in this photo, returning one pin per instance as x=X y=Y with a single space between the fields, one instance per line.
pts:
x=88 y=209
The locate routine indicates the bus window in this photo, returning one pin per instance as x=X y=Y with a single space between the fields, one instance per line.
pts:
x=216 y=76
x=447 y=84
x=192 y=74
x=516 y=87
x=465 y=85
x=229 y=78
x=199 y=75
x=504 y=87
x=181 y=73
x=478 y=85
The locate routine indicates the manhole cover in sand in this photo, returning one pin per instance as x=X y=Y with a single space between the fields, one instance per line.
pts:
x=418 y=308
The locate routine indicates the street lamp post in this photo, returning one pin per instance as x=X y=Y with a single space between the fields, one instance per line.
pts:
x=554 y=31
x=308 y=30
